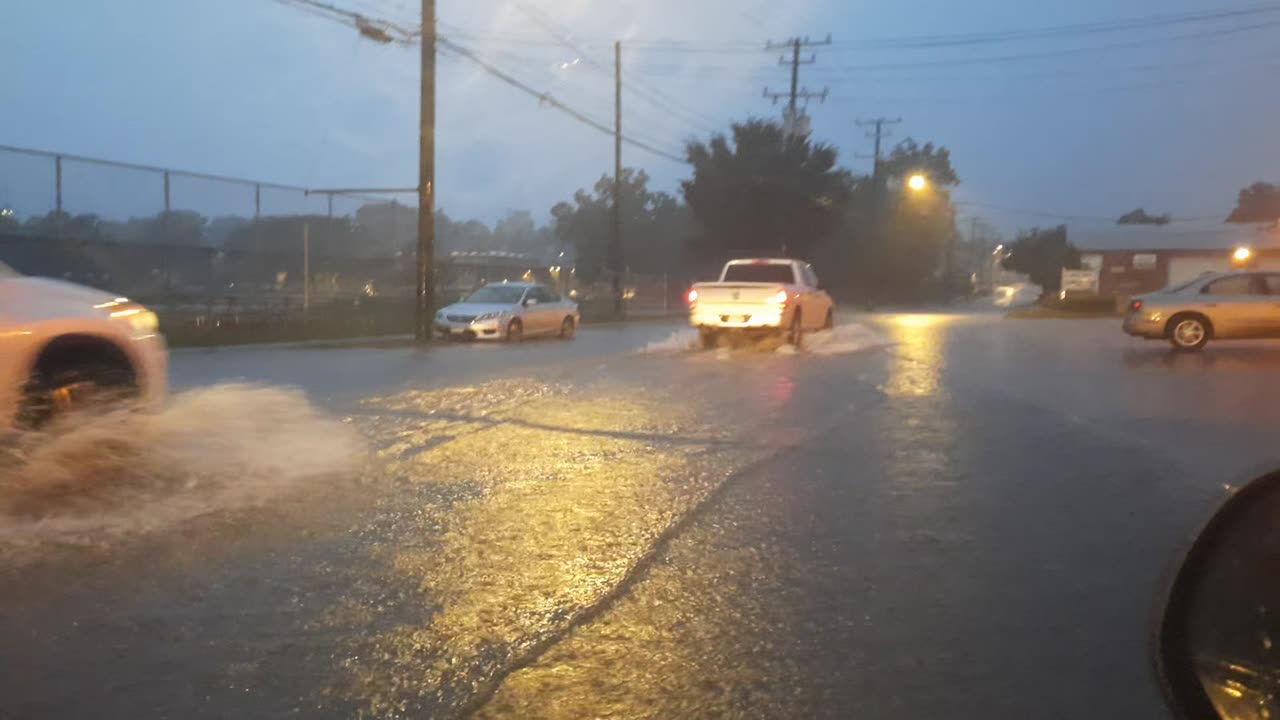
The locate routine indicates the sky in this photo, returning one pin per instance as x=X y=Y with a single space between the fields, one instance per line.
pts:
x=1075 y=127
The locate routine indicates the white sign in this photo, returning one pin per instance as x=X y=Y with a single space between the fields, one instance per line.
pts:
x=1080 y=281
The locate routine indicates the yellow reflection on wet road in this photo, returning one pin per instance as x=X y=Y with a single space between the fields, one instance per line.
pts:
x=918 y=361
x=572 y=489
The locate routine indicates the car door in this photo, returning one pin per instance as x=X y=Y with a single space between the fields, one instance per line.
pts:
x=817 y=302
x=1237 y=305
x=557 y=310
x=539 y=312
x=1271 y=282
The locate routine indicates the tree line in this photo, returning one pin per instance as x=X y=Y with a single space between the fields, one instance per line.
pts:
x=754 y=190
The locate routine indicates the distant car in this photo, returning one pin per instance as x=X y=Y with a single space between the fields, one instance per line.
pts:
x=64 y=347
x=1215 y=306
x=511 y=312
x=763 y=295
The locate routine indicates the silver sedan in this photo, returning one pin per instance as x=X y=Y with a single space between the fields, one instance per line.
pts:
x=509 y=311
x=1219 y=306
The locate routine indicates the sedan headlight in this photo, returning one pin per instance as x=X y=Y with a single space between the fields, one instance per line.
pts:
x=142 y=320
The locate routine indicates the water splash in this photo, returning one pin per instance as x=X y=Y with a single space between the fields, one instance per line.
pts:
x=208 y=450
x=679 y=341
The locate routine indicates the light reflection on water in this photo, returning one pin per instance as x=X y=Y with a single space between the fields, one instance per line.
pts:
x=573 y=487
x=918 y=361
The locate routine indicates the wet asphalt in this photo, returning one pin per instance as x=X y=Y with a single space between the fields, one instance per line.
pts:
x=972 y=519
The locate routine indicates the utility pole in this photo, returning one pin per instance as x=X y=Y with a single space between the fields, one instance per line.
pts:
x=879 y=133
x=615 y=247
x=425 y=297
x=795 y=44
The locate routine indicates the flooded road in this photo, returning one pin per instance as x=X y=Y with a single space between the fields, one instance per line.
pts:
x=946 y=515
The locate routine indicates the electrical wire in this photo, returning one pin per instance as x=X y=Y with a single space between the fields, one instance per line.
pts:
x=548 y=99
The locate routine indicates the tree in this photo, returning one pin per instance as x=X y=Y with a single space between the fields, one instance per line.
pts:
x=1260 y=202
x=282 y=235
x=909 y=157
x=654 y=227
x=1140 y=217
x=764 y=192
x=1042 y=254
x=894 y=240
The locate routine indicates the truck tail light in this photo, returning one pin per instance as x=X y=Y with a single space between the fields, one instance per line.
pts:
x=692 y=296
x=780 y=297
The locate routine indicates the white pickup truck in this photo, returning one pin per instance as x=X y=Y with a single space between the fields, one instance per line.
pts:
x=65 y=346
x=766 y=295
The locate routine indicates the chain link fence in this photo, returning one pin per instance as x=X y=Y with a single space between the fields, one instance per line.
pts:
x=221 y=259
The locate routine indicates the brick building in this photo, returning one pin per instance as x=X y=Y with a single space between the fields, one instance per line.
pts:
x=1133 y=259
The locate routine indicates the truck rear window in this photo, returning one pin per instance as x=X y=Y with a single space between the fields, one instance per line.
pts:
x=764 y=273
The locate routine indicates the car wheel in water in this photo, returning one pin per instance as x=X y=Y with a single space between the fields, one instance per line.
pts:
x=568 y=328
x=707 y=338
x=58 y=392
x=1188 y=332
x=515 y=331
x=830 y=322
x=795 y=333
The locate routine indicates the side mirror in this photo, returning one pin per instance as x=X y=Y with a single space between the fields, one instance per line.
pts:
x=1219 y=638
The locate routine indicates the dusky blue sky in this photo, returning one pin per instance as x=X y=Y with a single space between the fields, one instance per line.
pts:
x=1172 y=119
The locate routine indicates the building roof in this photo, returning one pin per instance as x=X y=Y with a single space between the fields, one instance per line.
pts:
x=1223 y=236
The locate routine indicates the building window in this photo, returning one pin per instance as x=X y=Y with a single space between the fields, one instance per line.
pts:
x=1091 y=261
x=1144 y=261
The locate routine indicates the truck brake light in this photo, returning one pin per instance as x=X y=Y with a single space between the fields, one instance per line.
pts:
x=692 y=297
x=780 y=297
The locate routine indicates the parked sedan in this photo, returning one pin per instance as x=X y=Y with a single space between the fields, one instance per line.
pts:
x=509 y=311
x=1218 y=306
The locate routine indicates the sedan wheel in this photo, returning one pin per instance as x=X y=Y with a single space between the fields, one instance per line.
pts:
x=568 y=328
x=1189 y=333
x=515 y=331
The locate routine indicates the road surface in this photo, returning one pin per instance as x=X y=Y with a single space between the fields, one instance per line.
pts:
x=928 y=514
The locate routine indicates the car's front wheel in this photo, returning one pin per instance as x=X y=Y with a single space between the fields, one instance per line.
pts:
x=57 y=391
x=1188 y=332
x=568 y=329
x=515 y=331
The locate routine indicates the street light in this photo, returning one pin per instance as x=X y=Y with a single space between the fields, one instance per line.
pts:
x=917 y=182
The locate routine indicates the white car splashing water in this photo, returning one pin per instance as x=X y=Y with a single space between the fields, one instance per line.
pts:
x=208 y=450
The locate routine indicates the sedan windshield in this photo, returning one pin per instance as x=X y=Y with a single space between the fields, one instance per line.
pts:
x=498 y=294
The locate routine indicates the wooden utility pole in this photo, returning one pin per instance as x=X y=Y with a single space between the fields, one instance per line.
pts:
x=792 y=116
x=615 y=247
x=425 y=297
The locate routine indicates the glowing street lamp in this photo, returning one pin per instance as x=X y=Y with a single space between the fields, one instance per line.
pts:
x=917 y=182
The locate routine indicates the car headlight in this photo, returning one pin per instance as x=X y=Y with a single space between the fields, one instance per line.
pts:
x=143 y=321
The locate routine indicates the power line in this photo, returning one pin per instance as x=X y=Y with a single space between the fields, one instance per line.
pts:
x=548 y=99
x=1002 y=59
x=914 y=42
x=548 y=25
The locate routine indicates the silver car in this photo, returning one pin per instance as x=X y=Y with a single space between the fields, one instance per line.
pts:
x=1218 y=306
x=509 y=311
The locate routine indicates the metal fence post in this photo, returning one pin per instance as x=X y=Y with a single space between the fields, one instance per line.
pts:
x=57 y=174
x=57 y=182
x=306 y=270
